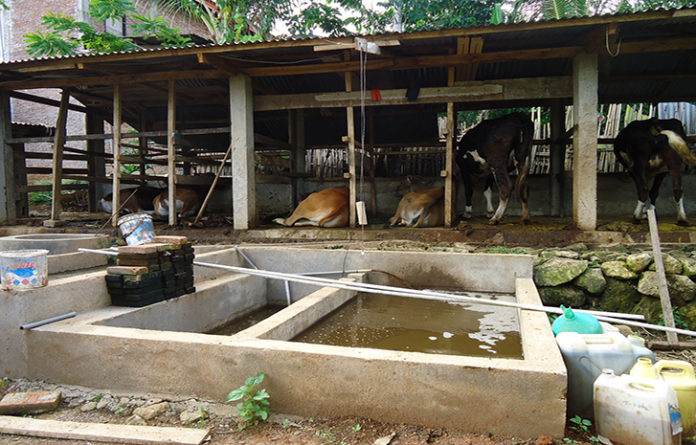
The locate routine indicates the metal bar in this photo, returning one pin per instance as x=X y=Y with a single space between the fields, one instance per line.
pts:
x=36 y=324
x=389 y=290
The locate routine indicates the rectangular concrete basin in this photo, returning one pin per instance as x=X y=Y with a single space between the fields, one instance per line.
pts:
x=160 y=350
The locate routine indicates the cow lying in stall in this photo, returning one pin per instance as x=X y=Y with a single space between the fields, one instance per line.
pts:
x=132 y=200
x=422 y=206
x=650 y=149
x=492 y=149
x=325 y=208
x=188 y=201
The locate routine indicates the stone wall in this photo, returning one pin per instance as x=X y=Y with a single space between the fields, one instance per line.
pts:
x=617 y=279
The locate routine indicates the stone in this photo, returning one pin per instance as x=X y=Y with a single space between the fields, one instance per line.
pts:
x=566 y=295
x=618 y=269
x=637 y=262
x=607 y=255
x=592 y=280
x=103 y=403
x=672 y=265
x=688 y=266
x=559 y=253
x=89 y=406
x=577 y=247
x=136 y=420
x=151 y=411
x=618 y=296
x=557 y=271
x=544 y=439
x=187 y=417
x=681 y=288
x=651 y=308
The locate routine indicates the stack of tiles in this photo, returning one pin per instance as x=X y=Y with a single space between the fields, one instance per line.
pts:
x=181 y=255
x=152 y=272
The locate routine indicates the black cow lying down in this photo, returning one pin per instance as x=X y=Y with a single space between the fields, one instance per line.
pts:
x=492 y=149
x=649 y=149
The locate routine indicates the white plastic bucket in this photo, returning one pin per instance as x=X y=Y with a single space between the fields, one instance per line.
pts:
x=23 y=269
x=137 y=228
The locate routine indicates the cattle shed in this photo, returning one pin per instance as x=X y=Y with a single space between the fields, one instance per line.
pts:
x=353 y=93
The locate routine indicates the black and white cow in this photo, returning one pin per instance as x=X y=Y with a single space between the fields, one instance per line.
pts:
x=649 y=149
x=490 y=151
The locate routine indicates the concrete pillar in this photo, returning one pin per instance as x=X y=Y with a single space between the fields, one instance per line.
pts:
x=8 y=210
x=585 y=83
x=557 y=158
x=242 y=134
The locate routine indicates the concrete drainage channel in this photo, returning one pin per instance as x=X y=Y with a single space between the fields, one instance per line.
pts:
x=161 y=348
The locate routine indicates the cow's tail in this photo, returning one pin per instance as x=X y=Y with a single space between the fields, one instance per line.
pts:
x=679 y=145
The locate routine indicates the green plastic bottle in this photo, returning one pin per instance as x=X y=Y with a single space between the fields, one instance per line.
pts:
x=580 y=322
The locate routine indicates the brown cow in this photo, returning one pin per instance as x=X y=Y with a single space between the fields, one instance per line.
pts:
x=423 y=206
x=325 y=208
x=187 y=202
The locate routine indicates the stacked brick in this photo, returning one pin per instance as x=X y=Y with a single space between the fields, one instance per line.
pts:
x=151 y=272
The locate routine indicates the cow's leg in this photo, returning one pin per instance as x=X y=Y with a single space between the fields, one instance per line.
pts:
x=640 y=179
x=488 y=194
x=678 y=195
x=523 y=187
x=504 y=188
x=468 y=193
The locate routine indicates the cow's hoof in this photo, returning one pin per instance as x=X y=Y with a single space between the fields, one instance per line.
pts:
x=493 y=222
x=490 y=214
x=683 y=223
x=280 y=221
x=637 y=221
x=526 y=221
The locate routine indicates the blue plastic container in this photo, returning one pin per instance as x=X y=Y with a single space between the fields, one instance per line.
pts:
x=580 y=322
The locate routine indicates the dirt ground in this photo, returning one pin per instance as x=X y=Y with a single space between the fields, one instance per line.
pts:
x=80 y=405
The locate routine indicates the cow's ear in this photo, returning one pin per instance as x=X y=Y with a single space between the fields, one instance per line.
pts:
x=654 y=130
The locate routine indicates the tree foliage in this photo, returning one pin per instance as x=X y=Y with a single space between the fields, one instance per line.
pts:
x=66 y=35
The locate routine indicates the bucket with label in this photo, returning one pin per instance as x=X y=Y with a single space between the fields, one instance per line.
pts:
x=137 y=228
x=586 y=355
x=24 y=269
x=632 y=410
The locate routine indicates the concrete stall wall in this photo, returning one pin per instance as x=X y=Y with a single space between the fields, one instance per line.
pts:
x=454 y=270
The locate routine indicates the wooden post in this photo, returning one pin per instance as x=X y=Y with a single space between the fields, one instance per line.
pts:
x=20 y=174
x=661 y=278
x=242 y=134
x=296 y=138
x=450 y=138
x=96 y=165
x=557 y=158
x=171 y=150
x=353 y=180
x=116 y=147
x=7 y=175
x=58 y=143
x=142 y=141
x=373 y=160
x=585 y=83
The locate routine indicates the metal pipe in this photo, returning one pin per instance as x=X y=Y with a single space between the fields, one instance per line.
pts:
x=248 y=260
x=308 y=279
x=288 y=297
x=36 y=324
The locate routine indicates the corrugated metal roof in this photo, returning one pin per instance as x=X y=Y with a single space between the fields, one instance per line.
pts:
x=503 y=28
